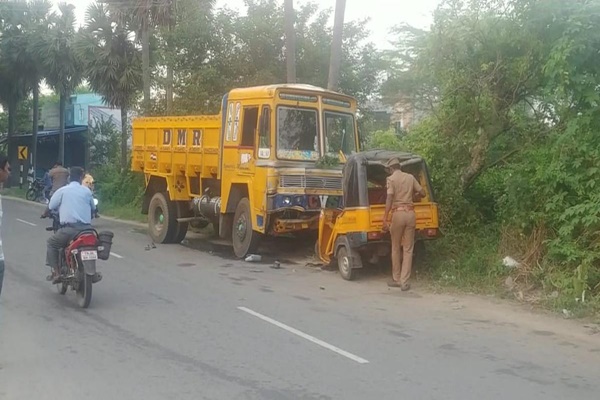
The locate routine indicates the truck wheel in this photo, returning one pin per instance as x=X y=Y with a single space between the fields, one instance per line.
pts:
x=345 y=264
x=181 y=228
x=162 y=219
x=245 y=239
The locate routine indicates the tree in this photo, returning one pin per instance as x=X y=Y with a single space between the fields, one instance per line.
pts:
x=336 y=45
x=143 y=16
x=290 y=41
x=112 y=64
x=13 y=84
x=480 y=75
x=228 y=49
x=36 y=34
x=61 y=62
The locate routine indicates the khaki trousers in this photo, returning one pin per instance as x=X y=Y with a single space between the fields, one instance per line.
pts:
x=402 y=231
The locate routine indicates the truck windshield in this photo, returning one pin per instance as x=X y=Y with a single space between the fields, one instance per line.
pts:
x=339 y=133
x=297 y=134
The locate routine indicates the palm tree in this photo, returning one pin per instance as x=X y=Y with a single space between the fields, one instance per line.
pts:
x=36 y=33
x=145 y=15
x=112 y=64
x=13 y=85
x=290 y=41
x=61 y=63
x=336 y=45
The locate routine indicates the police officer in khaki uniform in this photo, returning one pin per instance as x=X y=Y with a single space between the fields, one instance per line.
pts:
x=402 y=190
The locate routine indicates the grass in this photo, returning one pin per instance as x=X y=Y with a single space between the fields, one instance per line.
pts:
x=127 y=212
x=14 y=191
x=471 y=262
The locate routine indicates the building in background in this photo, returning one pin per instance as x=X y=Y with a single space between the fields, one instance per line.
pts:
x=82 y=111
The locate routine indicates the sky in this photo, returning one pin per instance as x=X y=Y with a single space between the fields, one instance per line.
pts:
x=383 y=14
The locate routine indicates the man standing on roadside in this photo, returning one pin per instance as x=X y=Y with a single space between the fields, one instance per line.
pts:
x=4 y=175
x=402 y=189
x=59 y=176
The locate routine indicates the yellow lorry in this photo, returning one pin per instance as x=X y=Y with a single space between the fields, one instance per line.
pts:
x=252 y=170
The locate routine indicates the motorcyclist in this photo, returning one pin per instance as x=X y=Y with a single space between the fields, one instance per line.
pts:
x=59 y=176
x=75 y=205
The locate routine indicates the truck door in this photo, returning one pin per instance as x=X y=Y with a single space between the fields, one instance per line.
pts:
x=246 y=148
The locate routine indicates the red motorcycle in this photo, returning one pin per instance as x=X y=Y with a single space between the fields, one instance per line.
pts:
x=78 y=261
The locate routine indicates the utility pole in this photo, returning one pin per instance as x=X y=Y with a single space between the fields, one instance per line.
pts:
x=336 y=45
x=290 y=41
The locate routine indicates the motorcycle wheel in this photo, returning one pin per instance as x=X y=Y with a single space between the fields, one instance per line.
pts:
x=61 y=288
x=84 y=290
x=31 y=194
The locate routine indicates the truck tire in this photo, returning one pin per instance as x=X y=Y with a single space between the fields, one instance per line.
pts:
x=245 y=239
x=162 y=219
x=181 y=227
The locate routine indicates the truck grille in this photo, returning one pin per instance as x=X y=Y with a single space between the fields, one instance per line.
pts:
x=310 y=182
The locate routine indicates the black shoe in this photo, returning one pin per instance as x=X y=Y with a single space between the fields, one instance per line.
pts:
x=97 y=278
x=405 y=287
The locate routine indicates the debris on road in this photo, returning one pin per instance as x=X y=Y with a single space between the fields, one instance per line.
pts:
x=150 y=246
x=276 y=265
x=253 y=258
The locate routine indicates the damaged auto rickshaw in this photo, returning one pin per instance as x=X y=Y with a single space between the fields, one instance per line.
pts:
x=353 y=234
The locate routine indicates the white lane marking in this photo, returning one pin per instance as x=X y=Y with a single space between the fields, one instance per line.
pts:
x=26 y=222
x=115 y=255
x=305 y=336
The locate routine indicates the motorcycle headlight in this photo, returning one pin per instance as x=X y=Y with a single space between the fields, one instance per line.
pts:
x=96 y=202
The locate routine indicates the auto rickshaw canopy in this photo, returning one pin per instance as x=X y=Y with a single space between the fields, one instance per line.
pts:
x=369 y=166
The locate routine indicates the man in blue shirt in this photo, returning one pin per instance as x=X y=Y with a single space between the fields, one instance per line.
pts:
x=75 y=205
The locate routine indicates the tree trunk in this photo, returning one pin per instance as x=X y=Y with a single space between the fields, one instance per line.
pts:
x=169 y=90
x=12 y=155
x=336 y=45
x=290 y=41
x=34 y=128
x=146 y=63
x=124 y=138
x=169 y=84
x=61 y=127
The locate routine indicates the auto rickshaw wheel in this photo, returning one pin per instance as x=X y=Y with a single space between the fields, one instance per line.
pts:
x=345 y=264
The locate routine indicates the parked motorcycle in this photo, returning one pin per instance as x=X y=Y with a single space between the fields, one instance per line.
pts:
x=35 y=192
x=78 y=260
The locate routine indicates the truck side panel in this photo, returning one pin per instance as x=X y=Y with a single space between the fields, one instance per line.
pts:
x=182 y=150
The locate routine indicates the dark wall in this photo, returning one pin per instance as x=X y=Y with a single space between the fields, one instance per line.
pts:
x=47 y=152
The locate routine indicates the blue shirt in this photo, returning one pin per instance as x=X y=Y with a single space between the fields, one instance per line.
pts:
x=74 y=203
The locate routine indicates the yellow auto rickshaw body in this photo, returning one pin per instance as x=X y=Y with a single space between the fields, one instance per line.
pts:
x=353 y=234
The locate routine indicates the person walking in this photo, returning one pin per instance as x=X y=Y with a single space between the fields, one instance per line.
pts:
x=402 y=190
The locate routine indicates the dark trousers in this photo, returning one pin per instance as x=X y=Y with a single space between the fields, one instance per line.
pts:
x=60 y=240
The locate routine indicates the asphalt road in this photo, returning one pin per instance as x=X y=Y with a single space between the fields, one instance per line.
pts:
x=180 y=323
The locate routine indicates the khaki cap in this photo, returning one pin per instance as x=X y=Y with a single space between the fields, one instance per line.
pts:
x=392 y=161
